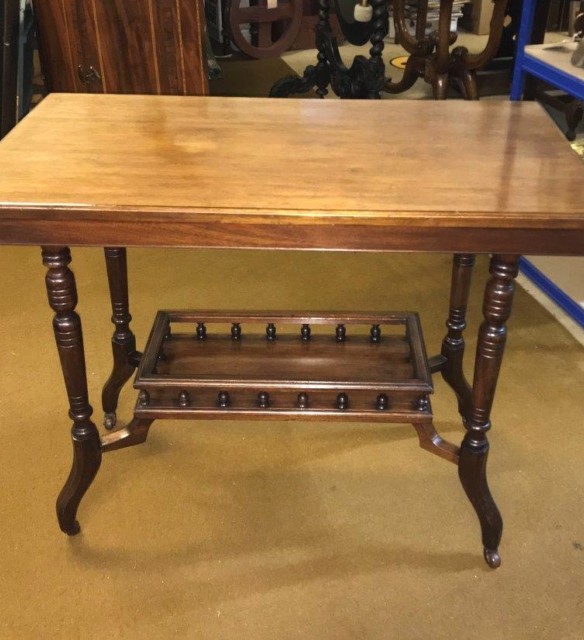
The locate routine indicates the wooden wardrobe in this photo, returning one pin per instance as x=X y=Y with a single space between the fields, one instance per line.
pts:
x=123 y=46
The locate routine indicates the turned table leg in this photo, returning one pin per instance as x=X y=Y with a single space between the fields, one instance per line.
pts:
x=453 y=344
x=472 y=466
x=125 y=356
x=62 y=295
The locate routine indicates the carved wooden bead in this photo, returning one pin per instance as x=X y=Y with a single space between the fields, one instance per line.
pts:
x=382 y=402
x=375 y=333
x=342 y=401
x=201 y=330
x=184 y=399
x=235 y=331
x=341 y=333
x=271 y=331
x=144 y=398
x=302 y=400
x=305 y=332
x=223 y=399
x=263 y=400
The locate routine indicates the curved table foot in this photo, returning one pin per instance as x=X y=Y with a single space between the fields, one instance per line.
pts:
x=86 y=463
x=125 y=356
x=472 y=471
x=122 y=371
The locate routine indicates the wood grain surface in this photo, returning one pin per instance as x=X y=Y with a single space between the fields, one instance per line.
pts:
x=146 y=47
x=198 y=171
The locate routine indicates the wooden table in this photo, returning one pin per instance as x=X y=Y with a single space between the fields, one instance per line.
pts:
x=118 y=171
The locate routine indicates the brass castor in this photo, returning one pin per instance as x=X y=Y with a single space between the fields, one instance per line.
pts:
x=492 y=558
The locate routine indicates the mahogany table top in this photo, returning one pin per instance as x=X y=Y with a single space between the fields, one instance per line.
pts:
x=491 y=176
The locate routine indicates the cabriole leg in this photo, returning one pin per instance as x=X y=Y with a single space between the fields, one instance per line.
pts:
x=472 y=467
x=123 y=341
x=62 y=295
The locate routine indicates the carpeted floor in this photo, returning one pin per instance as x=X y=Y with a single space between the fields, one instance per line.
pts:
x=274 y=531
x=235 y=530
x=244 y=77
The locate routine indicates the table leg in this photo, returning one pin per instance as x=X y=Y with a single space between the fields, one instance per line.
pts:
x=62 y=295
x=453 y=344
x=472 y=466
x=125 y=356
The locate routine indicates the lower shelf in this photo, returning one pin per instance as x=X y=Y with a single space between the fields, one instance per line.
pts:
x=205 y=364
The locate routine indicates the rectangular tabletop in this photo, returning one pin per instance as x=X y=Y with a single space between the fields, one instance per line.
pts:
x=275 y=173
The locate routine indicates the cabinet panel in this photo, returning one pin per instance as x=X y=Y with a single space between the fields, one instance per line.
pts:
x=68 y=45
x=128 y=62
x=118 y=46
x=177 y=32
x=192 y=20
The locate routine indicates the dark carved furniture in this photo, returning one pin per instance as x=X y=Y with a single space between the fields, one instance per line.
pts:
x=273 y=26
x=122 y=47
x=360 y=365
x=431 y=56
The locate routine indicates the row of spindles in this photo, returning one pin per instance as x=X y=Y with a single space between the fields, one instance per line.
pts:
x=264 y=402
x=271 y=332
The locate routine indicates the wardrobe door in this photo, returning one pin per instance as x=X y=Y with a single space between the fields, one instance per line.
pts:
x=151 y=46
x=180 y=51
x=123 y=46
x=68 y=43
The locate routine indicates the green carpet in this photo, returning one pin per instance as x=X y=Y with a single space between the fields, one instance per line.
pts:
x=224 y=530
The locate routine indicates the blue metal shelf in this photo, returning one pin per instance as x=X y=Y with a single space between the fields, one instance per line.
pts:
x=525 y=63
x=562 y=299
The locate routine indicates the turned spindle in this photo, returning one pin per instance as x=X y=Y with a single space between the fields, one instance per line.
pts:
x=201 y=330
x=271 y=331
x=375 y=333
x=223 y=400
x=236 y=331
x=184 y=399
x=305 y=332
x=302 y=401
x=342 y=401
x=263 y=400
x=341 y=333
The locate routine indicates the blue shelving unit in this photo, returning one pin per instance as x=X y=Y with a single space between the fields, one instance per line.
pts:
x=551 y=289
x=546 y=62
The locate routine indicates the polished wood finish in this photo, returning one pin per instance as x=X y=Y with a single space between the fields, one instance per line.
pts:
x=125 y=355
x=261 y=19
x=283 y=365
x=453 y=344
x=143 y=46
x=145 y=171
x=62 y=293
x=511 y=187
x=475 y=446
x=431 y=56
